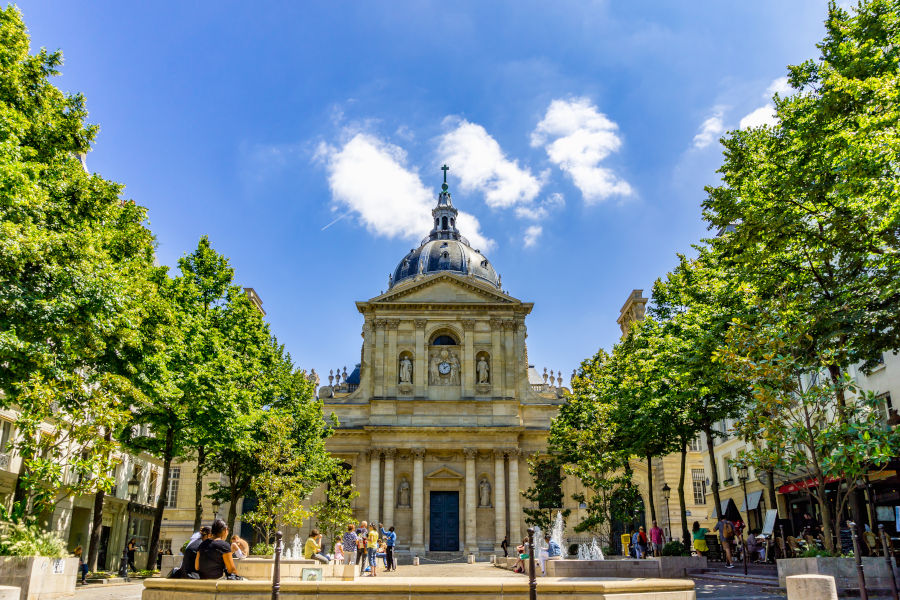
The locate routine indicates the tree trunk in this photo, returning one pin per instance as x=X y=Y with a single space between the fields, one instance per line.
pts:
x=650 y=488
x=685 y=533
x=828 y=531
x=161 y=502
x=715 y=472
x=835 y=372
x=97 y=522
x=198 y=488
x=19 y=496
x=232 y=512
x=773 y=499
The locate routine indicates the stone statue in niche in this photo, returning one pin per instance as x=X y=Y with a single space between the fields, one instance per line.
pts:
x=444 y=368
x=406 y=367
x=403 y=494
x=484 y=492
x=483 y=370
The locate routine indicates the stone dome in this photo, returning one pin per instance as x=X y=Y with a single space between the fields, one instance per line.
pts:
x=445 y=249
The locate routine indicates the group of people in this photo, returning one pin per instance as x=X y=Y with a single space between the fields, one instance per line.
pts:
x=644 y=546
x=549 y=550
x=210 y=554
x=726 y=530
x=363 y=545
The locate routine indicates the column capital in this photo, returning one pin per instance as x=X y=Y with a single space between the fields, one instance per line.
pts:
x=420 y=323
x=392 y=323
x=380 y=323
x=418 y=453
x=499 y=453
x=513 y=453
x=509 y=324
x=496 y=323
x=468 y=325
x=470 y=453
x=373 y=453
x=390 y=452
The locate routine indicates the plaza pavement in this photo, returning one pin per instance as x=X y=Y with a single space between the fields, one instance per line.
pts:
x=706 y=590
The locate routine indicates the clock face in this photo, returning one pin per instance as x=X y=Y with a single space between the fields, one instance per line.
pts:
x=444 y=368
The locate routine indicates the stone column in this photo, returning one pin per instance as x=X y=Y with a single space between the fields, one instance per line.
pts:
x=468 y=361
x=499 y=501
x=367 y=370
x=471 y=500
x=513 y=352
x=517 y=341
x=389 y=487
x=420 y=373
x=515 y=517
x=418 y=501
x=391 y=361
x=497 y=359
x=374 y=486
x=378 y=353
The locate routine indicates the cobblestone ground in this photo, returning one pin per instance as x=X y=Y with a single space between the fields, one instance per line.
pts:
x=109 y=591
x=712 y=590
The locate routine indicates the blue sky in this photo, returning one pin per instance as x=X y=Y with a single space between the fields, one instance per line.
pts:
x=306 y=138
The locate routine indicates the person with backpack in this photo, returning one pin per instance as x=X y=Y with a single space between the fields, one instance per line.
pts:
x=726 y=538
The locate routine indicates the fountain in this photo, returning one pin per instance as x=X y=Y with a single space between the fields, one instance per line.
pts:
x=556 y=533
x=590 y=551
x=295 y=550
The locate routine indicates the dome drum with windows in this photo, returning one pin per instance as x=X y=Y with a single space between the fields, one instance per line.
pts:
x=445 y=249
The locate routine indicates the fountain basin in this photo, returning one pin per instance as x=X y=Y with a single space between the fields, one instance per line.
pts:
x=662 y=567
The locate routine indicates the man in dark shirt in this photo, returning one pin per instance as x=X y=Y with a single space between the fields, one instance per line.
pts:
x=190 y=553
x=214 y=554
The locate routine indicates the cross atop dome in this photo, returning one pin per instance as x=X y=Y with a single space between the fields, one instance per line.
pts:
x=445 y=168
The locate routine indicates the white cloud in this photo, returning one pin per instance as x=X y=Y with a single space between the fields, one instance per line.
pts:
x=764 y=115
x=577 y=137
x=368 y=178
x=778 y=86
x=532 y=234
x=711 y=129
x=479 y=162
x=540 y=210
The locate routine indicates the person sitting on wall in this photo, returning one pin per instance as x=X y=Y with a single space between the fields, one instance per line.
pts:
x=214 y=557
x=313 y=548
x=187 y=569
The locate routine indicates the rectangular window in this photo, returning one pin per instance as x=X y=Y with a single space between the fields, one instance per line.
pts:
x=698 y=478
x=884 y=401
x=5 y=436
x=172 y=493
x=696 y=444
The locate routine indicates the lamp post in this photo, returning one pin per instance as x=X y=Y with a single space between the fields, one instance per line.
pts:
x=743 y=475
x=666 y=490
x=133 y=484
x=216 y=505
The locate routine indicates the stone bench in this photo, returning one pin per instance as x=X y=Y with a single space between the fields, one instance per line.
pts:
x=662 y=567
x=397 y=588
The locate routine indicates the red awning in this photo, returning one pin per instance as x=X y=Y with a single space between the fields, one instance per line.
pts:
x=802 y=485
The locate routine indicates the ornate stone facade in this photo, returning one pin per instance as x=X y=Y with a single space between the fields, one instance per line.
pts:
x=441 y=414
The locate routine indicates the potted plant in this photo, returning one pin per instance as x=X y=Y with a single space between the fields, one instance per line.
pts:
x=36 y=561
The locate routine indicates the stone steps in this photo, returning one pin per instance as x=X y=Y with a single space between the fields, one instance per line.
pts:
x=739 y=577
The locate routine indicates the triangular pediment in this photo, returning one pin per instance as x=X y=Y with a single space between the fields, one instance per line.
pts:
x=445 y=288
x=444 y=472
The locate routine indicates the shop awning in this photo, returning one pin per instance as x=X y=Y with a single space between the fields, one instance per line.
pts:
x=753 y=499
x=802 y=485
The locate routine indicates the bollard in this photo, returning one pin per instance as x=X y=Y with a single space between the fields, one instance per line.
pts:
x=532 y=576
x=415 y=561
x=276 y=569
x=886 y=545
x=863 y=593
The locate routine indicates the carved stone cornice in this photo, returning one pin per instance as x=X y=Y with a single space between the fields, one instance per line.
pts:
x=418 y=453
x=470 y=453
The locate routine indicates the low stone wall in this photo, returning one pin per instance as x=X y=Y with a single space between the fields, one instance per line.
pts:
x=401 y=588
x=842 y=569
x=255 y=568
x=39 y=578
x=8 y=592
x=662 y=567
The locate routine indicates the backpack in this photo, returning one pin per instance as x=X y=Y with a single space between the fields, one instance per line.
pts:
x=728 y=530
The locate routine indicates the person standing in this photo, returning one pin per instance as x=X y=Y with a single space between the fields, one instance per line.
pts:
x=372 y=549
x=82 y=566
x=132 y=547
x=504 y=545
x=699 y=536
x=390 y=539
x=362 y=532
x=349 y=545
x=725 y=528
x=656 y=539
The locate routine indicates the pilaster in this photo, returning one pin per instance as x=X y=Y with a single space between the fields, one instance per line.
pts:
x=499 y=500
x=374 y=484
x=471 y=540
x=418 y=508
x=515 y=517
x=421 y=362
x=391 y=361
x=389 y=486
x=468 y=381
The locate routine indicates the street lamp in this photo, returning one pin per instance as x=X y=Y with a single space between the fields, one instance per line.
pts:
x=133 y=485
x=216 y=505
x=743 y=475
x=666 y=490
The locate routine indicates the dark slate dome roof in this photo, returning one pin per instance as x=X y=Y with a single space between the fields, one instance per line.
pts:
x=445 y=249
x=453 y=255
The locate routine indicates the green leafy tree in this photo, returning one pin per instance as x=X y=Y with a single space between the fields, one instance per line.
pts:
x=335 y=511
x=75 y=269
x=808 y=206
x=545 y=493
